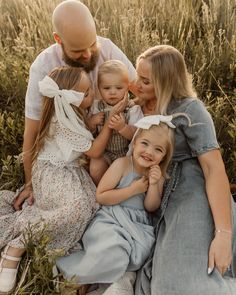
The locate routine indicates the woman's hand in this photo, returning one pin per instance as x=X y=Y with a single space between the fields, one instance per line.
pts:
x=220 y=253
x=27 y=193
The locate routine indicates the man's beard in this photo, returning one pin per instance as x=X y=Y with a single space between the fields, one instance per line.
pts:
x=76 y=63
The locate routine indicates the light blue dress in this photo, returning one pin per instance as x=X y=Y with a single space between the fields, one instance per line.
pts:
x=118 y=239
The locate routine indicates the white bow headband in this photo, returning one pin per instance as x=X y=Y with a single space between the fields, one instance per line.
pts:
x=146 y=123
x=64 y=112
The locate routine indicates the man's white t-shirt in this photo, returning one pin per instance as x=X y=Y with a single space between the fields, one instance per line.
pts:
x=51 y=58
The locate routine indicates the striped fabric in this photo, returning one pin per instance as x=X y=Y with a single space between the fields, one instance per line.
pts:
x=118 y=145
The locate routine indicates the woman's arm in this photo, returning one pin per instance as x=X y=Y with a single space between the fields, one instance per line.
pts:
x=218 y=193
x=108 y=194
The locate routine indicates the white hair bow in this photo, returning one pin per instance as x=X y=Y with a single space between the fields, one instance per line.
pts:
x=148 y=121
x=64 y=112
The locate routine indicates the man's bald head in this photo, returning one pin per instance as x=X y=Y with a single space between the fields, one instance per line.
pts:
x=72 y=21
x=75 y=31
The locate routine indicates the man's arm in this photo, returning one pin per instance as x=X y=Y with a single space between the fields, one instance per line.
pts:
x=30 y=134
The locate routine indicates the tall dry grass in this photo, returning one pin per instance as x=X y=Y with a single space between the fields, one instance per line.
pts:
x=203 y=30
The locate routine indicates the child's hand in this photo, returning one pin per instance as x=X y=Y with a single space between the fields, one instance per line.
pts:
x=97 y=119
x=120 y=106
x=220 y=253
x=139 y=186
x=27 y=193
x=117 y=122
x=131 y=103
x=154 y=174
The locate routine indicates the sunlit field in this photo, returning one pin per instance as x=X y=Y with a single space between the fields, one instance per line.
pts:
x=203 y=30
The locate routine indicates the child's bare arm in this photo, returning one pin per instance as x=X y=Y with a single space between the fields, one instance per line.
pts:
x=118 y=123
x=154 y=193
x=100 y=142
x=128 y=131
x=108 y=194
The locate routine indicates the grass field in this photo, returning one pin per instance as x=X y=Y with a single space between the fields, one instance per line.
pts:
x=203 y=30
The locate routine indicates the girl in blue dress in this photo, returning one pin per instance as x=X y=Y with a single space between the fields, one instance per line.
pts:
x=121 y=235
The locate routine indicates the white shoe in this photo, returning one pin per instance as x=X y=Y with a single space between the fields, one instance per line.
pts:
x=7 y=275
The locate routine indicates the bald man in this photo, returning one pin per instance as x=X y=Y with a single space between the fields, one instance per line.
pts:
x=77 y=44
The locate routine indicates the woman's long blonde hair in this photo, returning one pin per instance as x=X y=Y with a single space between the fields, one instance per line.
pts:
x=66 y=78
x=170 y=77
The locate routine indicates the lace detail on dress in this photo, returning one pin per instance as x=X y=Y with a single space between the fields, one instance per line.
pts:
x=64 y=147
x=70 y=140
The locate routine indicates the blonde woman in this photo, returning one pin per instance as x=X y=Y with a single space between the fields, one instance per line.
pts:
x=195 y=251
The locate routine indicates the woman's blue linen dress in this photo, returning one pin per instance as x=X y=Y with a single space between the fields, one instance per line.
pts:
x=179 y=262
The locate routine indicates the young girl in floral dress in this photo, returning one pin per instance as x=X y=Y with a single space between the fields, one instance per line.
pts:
x=64 y=193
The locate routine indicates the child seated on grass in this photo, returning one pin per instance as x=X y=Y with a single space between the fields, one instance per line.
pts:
x=120 y=237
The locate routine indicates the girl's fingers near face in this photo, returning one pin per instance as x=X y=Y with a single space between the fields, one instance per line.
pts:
x=113 y=119
x=117 y=117
x=156 y=167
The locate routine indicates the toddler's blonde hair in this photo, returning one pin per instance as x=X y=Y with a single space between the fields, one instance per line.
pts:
x=113 y=66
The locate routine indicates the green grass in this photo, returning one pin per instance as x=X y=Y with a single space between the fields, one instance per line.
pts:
x=203 y=30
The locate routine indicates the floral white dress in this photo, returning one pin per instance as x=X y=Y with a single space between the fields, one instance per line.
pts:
x=63 y=191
